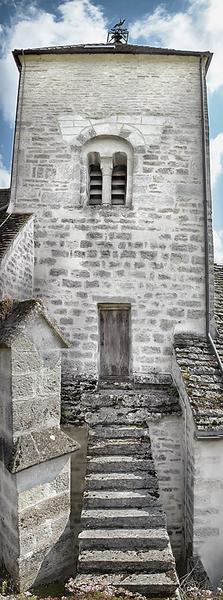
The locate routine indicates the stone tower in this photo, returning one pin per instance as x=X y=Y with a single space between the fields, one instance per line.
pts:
x=111 y=159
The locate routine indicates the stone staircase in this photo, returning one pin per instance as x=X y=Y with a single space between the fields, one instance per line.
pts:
x=124 y=540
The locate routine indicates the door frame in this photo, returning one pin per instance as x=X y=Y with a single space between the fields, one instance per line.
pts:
x=115 y=306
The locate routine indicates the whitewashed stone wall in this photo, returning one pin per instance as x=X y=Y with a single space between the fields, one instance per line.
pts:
x=45 y=541
x=78 y=472
x=9 y=544
x=150 y=254
x=188 y=433
x=203 y=460
x=208 y=506
x=166 y=436
x=16 y=269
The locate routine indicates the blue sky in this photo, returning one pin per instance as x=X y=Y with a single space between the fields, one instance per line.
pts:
x=180 y=24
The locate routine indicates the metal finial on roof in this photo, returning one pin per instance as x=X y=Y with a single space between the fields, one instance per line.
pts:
x=118 y=34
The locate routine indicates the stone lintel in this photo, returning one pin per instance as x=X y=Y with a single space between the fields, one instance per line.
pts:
x=39 y=446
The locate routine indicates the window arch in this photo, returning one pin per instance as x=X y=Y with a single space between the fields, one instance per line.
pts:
x=107 y=167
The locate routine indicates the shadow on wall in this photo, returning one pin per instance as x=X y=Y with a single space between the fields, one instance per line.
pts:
x=56 y=565
x=78 y=473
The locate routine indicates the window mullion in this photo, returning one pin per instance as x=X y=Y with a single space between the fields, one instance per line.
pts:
x=106 y=167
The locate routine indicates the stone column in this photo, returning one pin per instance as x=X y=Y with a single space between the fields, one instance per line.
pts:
x=106 y=167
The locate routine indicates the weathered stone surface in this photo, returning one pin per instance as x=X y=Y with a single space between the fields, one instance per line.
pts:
x=142 y=246
x=128 y=539
x=202 y=380
x=39 y=446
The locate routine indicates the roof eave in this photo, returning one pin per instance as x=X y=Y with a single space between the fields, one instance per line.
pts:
x=108 y=49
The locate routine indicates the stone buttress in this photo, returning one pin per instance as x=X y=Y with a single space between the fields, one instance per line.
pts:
x=36 y=543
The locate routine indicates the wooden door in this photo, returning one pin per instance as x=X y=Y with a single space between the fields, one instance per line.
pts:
x=114 y=341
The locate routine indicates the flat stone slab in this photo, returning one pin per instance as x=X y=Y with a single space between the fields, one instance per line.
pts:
x=144 y=583
x=123 y=539
x=106 y=499
x=124 y=464
x=114 y=447
x=119 y=432
x=131 y=560
x=122 y=481
x=123 y=518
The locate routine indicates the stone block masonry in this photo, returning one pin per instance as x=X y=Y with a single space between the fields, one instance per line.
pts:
x=166 y=439
x=149 y=254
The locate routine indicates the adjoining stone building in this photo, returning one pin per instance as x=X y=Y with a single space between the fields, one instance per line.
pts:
x=109 y=223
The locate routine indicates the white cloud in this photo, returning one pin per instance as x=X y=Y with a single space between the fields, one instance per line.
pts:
x=218 y=246
x=216 y=154
x=200 y=27
x=4 y=175
x=79 y=22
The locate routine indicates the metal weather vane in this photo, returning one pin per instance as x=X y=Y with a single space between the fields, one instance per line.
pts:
x=118 y=34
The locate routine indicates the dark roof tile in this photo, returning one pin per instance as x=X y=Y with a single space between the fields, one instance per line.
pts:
x=202 y=379
x=13 y=313
x=218 y=278
x=10 y=227
x=4 y=198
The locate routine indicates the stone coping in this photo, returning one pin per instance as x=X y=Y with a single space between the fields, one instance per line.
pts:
x=39 y=446
x=13 y=313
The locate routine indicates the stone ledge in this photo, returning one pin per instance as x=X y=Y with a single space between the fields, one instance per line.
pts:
x=39 y=446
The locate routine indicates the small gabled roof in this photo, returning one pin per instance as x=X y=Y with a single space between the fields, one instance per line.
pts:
x=108 y=49
x=14 y=313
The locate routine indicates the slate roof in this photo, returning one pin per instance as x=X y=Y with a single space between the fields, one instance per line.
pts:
x=109 y=49
x=4 y=198
x=202 y=378
x=218 y=277
x=10 y=227
x=200 y=370
x=14 y=313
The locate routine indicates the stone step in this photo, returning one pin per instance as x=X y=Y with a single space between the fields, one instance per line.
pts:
x=122 y=481
x=120 y=415
x=131 y=561
x=123 y=539
x=103 y=432
x=148 y=518
x=119 y=464
x=110 y=499
x=129 y=446
x=148 y=584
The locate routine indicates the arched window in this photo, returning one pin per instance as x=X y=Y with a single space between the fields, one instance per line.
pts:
x=119 y=178
x=95 y=178
x=107 y=170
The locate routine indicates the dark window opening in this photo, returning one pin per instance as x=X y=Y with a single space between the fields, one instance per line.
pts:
x=95 y=191
x=119 y=179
